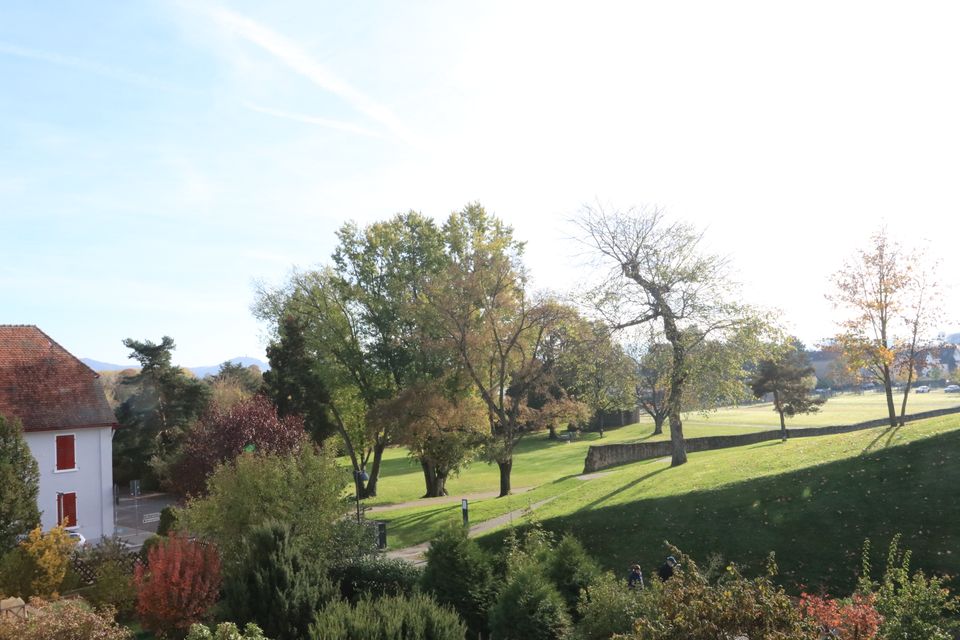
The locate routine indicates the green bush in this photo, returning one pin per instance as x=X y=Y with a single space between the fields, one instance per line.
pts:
x=148 y=544
x=570 y=570
x=694 y=607
x=529 y=608
x=392 y=618
x=375 y=577
x=912 y=606
x=460 y=574
x=275 y=584
x=16 y=573
x=113 y=588
x=168 y=521
x=225 y=631
x=609 y=607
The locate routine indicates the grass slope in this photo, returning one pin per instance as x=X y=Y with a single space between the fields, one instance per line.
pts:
x=540 y=461
x=811 y=500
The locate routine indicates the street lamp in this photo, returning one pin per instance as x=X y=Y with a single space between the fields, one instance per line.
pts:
x=359 y=475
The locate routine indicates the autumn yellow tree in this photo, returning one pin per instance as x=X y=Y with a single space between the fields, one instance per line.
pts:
x=888 y=295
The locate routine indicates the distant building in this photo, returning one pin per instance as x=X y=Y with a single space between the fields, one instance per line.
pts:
x=67 y=424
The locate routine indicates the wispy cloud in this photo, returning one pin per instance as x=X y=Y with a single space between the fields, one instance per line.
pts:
x=87 y=66
x=299 y=60
x=323 y=122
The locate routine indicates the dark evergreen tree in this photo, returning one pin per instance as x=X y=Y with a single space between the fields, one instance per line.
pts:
x=154 y=417
x=19 y=483
x=247 y=378
x=276 y=585
x=292 y=382
x=571 y=569
x=460 y=574
x=790 y=379
x=529 y=608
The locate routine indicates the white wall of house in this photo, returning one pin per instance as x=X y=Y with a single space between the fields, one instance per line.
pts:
x=92 y=480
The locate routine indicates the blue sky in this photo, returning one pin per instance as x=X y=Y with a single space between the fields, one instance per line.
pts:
x=157 y=158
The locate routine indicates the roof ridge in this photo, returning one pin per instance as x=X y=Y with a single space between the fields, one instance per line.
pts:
x=54 y=343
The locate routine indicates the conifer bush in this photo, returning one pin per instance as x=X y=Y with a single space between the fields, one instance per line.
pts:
x=375 y=576
x=529 y=608
x=417 y=617
x=571 y=569
x=275 y=584
x=458 y=573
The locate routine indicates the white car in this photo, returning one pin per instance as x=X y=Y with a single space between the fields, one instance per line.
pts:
x=77 y=537
x=952 y=388
x=923 y=389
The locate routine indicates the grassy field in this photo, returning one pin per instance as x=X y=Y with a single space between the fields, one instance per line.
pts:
x=539 y=461
x=811 y=500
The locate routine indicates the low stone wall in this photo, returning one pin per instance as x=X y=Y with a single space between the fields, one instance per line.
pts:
x=610 y=455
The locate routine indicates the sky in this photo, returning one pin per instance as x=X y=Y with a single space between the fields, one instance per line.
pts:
x=157 y=159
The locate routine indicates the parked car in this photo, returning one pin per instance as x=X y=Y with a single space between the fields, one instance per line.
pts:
x=77 y=537
x=923 y=389
x=952 y=388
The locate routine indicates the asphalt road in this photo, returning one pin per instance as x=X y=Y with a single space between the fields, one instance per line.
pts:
x=130 y=514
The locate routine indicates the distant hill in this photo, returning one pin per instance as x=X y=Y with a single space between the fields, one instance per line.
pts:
x=96 y=365
x=200 y=372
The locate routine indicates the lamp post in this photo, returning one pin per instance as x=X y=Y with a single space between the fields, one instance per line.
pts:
x=359 y=475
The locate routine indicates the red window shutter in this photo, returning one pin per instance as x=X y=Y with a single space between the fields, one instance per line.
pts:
x=66 y=453
x=68 y=509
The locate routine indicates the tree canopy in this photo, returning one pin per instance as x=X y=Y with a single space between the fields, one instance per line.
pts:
x=20 y=480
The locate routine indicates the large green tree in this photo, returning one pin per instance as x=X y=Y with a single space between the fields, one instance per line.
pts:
x=480 y=308
x=660 y=274
x=360 y=325
x=155 y=416
x=19 y=480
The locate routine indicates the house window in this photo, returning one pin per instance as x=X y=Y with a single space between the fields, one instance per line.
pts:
x=67 y=509
x=66 y=453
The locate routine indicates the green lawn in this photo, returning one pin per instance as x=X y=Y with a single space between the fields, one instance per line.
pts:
x=539 y=461
x=812 y=500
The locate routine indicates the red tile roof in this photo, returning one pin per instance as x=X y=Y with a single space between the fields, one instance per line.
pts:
x=45 y=386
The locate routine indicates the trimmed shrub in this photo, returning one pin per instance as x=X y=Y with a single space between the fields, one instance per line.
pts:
x=375 y=577
x=44 y=562
x=226 y=631
x=112 y=566
x=529 y=608
x=392 y=618
x=179 y=585
x=16 y=573
x=168 y=521
x=275 y=584
x=460 y=574
x=570 y=570
x=62 y=620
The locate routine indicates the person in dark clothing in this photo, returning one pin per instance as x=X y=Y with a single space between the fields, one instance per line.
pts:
x=635 y=579
x=666 y=569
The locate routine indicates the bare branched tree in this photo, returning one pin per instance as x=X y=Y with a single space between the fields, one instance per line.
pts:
x=659 y=273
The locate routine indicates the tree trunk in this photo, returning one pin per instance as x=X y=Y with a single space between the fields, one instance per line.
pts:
x=906 y=392
x=658 y=421
x=429 y=478
x=370 y=490
x=783 y=422
x=888 y=389
x=677 y=380
x=441 y=484
x=505 y=468
x=623 y=420
x=601 y=424
x=553 y=432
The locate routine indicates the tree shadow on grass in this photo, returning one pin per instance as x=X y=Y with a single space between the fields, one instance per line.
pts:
x=624 y=487
x=889 y=432
x=814 y=519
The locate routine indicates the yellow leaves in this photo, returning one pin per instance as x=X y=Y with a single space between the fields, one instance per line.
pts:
x=50 y=553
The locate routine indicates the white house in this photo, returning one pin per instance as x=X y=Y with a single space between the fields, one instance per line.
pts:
x=67 y=424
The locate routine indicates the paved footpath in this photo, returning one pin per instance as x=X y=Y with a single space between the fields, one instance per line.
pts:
x=415 y=554
x=426 y=502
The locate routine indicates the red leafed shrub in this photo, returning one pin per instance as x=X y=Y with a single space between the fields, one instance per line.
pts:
x=178 y=586
x=857 y=619
x=220 y=435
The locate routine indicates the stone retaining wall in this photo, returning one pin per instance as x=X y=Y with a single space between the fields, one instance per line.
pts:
x=610 y=455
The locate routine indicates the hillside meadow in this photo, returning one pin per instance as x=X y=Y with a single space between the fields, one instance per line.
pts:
x=812 y=501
